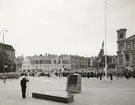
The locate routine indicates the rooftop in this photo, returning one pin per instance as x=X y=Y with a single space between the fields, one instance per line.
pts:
x=7 y=47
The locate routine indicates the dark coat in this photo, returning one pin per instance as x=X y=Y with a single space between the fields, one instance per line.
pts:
x=88 y=75
x=23 y=82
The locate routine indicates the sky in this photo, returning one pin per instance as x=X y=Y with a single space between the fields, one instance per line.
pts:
x=73 y=27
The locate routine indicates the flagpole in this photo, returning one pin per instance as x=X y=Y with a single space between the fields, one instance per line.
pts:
x=105 y=69
x=105 y=37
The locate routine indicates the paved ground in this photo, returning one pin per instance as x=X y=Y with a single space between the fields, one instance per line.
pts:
x=94 y=92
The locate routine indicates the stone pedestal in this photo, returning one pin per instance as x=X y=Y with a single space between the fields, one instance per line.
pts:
x=74 y=83
x=58 y=96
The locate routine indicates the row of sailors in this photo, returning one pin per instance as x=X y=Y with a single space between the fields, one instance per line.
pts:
x=9 y=75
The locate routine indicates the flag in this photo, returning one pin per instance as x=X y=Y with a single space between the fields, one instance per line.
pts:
x=101 y=53
x=105 y=69
x=99 y=60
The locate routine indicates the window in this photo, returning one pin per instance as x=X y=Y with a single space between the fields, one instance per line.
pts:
x=40 y=61
x=64 y=62
x=59 y=61
x=134 y=45
x=121 y=46
x=54 y=61
x=47 y=61
x=128 y=45
x=127 y=57
x=113 y=60
x=121 y=36
x=134 y=59
x=36 y=62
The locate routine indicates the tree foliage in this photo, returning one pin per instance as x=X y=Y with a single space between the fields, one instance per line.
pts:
x=6 y=62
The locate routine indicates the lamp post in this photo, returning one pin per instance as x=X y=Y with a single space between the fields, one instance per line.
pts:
x=2 y=32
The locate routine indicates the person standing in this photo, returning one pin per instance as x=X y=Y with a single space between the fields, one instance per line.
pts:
x=111 y=74
x=127 y=73
x=100 y=75
x=60 y=73
x=23 y=86
x=4 y=76
x=48 y=75
x=88 y=75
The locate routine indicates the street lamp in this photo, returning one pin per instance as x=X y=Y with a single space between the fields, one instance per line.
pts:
x=2 y=32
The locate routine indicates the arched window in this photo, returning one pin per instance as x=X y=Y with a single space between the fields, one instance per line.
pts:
x=121 y=36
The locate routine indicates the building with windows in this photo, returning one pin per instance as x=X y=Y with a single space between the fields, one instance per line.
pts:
x=79 y=62
x=18 y=62
x=93 y=62
x=45 y=63
x=125 y=50
x=50 y=63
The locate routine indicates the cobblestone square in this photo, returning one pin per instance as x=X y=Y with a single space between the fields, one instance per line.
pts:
x=94 y=91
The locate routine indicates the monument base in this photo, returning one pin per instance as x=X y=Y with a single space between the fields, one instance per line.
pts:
x=74 y=90
x=63 y=97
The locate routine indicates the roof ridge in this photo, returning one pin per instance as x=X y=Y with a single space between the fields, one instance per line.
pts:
x=131 y=36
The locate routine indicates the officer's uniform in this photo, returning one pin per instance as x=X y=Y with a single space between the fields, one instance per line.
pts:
x=23 y=86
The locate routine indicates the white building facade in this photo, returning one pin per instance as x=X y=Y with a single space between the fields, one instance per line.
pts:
x=45 y=63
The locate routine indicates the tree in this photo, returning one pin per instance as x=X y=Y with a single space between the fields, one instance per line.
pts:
x=6 y=62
